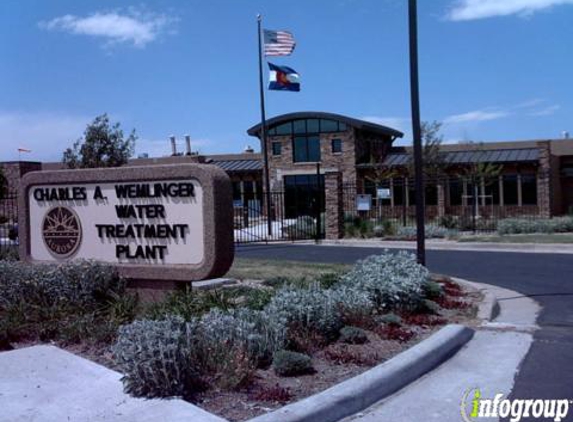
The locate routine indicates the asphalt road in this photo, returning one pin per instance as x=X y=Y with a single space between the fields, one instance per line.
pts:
x=547 y=370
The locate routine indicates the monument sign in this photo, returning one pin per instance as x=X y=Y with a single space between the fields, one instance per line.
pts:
x=170 y=222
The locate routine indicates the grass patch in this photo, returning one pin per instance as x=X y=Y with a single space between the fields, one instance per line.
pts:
x=262 y=269
x=520 y=238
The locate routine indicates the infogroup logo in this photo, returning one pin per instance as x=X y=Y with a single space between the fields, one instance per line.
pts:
x=474 y=406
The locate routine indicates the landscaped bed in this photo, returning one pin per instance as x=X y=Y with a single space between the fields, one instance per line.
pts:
x=244 y=349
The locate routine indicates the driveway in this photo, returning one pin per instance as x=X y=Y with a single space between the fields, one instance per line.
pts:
x=547 y=370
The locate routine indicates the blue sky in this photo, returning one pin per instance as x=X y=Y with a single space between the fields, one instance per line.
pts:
x=490 y=70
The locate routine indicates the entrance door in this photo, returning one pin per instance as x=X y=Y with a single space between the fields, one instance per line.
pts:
x=303 y=195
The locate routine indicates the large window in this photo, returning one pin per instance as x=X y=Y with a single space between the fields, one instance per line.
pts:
x=529 y=189
x=303 y=126
x=510 y=189
x=491 y=191
x=456 y=191
x=306 y=149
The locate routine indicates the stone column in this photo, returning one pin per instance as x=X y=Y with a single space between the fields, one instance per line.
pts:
x=544 y=179
x=334 y=207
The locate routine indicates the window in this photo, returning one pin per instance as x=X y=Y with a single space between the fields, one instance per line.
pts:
x=431 y=194
x=277 y=148
x=336 y=144
x=299 y=126
x=398 y=191
x=236 y=191
x=312 y=126
x=491 y=191
x=328 y=126
x=529 y=189
x=510 y=189
x=284 y=129
x=456 y=190
x=306 y=149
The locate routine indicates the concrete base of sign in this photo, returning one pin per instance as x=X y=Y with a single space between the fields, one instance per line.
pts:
x=44 y=383
x=214 y=283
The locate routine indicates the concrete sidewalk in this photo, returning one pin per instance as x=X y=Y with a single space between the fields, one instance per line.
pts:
x=47 y=384
x=490 y=362
x=452 y=245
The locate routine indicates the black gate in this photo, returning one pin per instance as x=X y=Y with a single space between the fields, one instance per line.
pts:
x=297 y=213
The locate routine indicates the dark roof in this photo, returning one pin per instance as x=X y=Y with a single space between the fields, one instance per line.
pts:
x=465 y=157
x=356 y=123
x=239 y=165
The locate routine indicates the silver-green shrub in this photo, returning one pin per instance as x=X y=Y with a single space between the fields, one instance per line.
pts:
x=391 y=280
x=158 y=358
x=542 y=225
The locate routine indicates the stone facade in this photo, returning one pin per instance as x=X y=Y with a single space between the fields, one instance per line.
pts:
x=284 y=165
x=334 y=207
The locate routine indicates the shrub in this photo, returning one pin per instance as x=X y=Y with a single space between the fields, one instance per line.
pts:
x=390 y=280
x=43 y=301
x=353 y=335
x=390 y=319
x=431 y=232
x=257 y=299
x=448 y=222
x=391 y=332
x=327 y=280
x=343 y=354
x=525 y=226
x=432 y=290
x=304 y=227
x=158 y=358
x=311 y=309
x=288 y=364
x=9 y=253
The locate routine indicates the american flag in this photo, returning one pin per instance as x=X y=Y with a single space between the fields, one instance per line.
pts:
x=278 y=43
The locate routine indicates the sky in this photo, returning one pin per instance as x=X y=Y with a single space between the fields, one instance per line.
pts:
x=490 y=70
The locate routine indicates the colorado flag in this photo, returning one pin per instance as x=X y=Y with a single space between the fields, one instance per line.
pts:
x=283 y=78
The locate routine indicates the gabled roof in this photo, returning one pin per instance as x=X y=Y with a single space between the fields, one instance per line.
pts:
x=356 y=123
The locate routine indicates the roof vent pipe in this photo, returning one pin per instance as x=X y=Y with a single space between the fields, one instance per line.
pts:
x=249 y=149
x=173 y=145
x=188 y=144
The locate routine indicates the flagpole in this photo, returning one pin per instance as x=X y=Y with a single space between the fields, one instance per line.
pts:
x=264 y=132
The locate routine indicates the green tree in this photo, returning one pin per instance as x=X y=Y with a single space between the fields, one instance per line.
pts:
x=103 y=145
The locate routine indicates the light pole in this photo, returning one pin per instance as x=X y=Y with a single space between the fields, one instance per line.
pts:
x=417 y=132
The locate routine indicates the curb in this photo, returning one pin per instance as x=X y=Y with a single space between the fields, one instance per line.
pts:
x=489 y=308
x=358 y=393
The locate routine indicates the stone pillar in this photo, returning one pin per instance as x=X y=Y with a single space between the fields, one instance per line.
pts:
x=334 y=207
x=544 y=179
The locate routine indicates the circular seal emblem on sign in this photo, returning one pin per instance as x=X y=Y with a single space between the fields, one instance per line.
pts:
x=62 y=232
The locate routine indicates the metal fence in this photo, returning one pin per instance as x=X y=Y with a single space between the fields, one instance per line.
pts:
x=296 y=214
x=9 y=222
x=452 y=204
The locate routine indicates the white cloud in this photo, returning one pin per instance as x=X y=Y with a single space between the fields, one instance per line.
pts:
x=464 y=10
x=133 y=27
x=547 y=111
x=476 y=116
x=46 y=134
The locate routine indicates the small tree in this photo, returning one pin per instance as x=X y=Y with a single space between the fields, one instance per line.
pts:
x=433 y=158
x=103 y=145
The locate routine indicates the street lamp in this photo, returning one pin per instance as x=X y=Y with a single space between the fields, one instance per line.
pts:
x=417 y=132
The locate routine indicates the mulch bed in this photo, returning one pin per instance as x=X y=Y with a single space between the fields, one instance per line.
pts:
x=338 y=362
